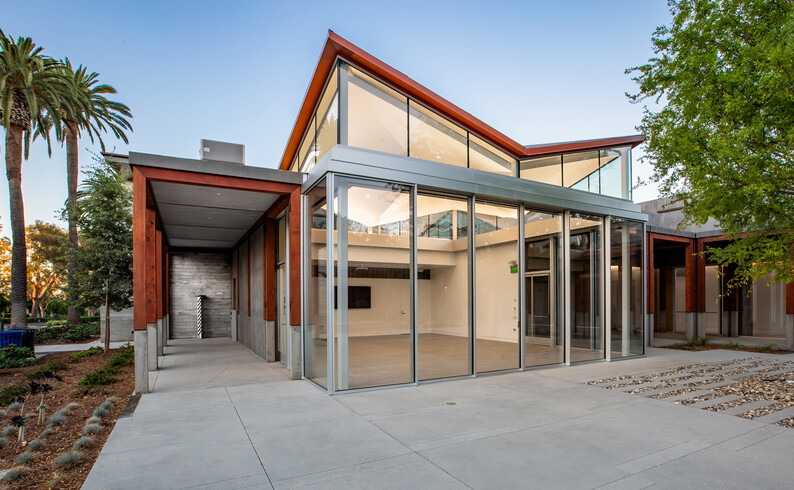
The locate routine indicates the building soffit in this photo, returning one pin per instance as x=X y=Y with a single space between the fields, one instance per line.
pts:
x=338 y=47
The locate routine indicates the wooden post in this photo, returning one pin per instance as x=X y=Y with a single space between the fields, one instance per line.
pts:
x=107 y=313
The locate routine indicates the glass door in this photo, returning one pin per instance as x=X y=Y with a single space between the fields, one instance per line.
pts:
x=540 y=319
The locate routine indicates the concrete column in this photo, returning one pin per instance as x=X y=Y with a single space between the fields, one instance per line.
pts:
x=151 y=342
x=166 y=329
x=790 y=331
x=700 y=324
x=234 y=325
x=691 y=325
x=160 y=336
x=270 y=341
x=295 y=351
x=141 y=361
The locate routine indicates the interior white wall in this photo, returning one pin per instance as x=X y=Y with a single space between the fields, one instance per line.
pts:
x=769 y=308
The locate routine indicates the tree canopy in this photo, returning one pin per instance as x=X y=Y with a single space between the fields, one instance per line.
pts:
x=104 y=204
x=721 y=138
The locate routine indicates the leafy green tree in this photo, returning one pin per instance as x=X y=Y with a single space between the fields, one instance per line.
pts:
x=721 y=136
x=90 y=113
x=48 y=252
x=104 y=204
x=31 y=88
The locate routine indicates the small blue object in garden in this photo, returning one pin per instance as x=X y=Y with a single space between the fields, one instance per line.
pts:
x=11 y=337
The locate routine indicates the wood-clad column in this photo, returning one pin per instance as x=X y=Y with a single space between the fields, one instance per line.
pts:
x=790 y=315
x=270 y=270
x=139 y=228
x=295 y=257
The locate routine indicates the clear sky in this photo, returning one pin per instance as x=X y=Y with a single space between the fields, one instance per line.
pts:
x=537 y=70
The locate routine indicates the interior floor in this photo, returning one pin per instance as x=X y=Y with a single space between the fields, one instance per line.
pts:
x=386 y=359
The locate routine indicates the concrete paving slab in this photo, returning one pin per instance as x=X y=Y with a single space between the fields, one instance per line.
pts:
x=312 y=446
x=203 y=427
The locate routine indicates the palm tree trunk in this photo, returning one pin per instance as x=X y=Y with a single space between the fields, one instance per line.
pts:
x=72 y=169
x=19 y=264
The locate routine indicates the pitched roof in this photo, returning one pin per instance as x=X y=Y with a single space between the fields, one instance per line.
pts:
x=336 y=46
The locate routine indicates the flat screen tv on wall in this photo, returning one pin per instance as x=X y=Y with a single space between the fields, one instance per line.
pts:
x=357 y=297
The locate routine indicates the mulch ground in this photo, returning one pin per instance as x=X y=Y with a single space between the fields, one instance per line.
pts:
x=718 y=346
x=41 y=472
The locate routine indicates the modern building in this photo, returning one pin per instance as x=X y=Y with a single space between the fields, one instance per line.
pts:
x=401 y=241
x=688 y=294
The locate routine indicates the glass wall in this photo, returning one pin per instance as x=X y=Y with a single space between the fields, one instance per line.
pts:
x=444 y=331
x=315 y=334
x=544 y=335
x=496 y=288
x=580 y=171
x=587 y=330
x=434 y=138
x=544 y=169
x=626 y=291
x=373 y=284
x=328 y=118
x=600 y=172
x=486 y=157
x=377 y=115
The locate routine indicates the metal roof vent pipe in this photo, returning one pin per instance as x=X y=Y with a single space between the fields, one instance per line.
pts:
x=219 y=151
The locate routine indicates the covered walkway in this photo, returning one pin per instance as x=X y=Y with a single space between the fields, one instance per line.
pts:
x=203 y=427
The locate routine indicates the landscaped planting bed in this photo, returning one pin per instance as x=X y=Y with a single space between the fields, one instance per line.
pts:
x=62 y=334
x=60 y=452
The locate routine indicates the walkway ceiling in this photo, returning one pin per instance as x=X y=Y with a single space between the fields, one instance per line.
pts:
x=195 y=216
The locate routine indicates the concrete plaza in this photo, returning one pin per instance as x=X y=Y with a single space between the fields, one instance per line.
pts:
x=219 y=417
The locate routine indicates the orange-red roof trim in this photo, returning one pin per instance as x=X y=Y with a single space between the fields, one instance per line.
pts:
x=337 y=46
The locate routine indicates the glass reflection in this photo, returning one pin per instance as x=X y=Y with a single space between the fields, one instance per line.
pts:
x=373 y=285
x=377 y=115
x=434 y=138
x=315 y=334
x=587 y=335
x=627 y=329
x=443 y=293
x=543 y=327
x=496 y=290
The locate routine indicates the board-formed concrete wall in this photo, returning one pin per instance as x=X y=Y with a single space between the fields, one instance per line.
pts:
x=193 y=274
x=251 y=328
x=121 y=325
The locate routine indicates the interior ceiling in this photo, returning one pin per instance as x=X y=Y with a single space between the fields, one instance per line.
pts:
x=196 y=216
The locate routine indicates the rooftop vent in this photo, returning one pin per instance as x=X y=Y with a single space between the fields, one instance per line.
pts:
x=220 y=151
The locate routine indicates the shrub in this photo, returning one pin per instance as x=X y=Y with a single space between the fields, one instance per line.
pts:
x=47 y=333
x=98 y=378
x=56 y=323
x=83 y=441
x=10 y=393
x=3 y=442
x=56 y=419
x=101 y=412
x=733 y=345
x=23 y=458
x=697 y=341
x=46 y=432
x=35 y=445
x=67 y=459
x=91 y=428
x=53 y=366
x=14 y=473
x=14 y=407
x=79 y=333
x=68 y=408
x=93 y=420
x=125 y=356
x=89 y=319
x=13 y=356
x=76 y=356
x=106 y=405
x=767 y=347
x=9 y=430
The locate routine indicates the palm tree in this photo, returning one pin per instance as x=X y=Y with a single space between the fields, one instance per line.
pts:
x=31 y=88
x=90 y=112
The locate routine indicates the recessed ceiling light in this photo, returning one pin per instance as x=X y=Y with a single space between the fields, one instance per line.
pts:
x=368 y=196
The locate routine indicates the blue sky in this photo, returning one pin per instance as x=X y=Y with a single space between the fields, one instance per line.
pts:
x=539 y=71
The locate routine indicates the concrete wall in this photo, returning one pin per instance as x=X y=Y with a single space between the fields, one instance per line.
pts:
x=121 y=325
x=663 y=213
x=251 y=328
x=193 y=274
